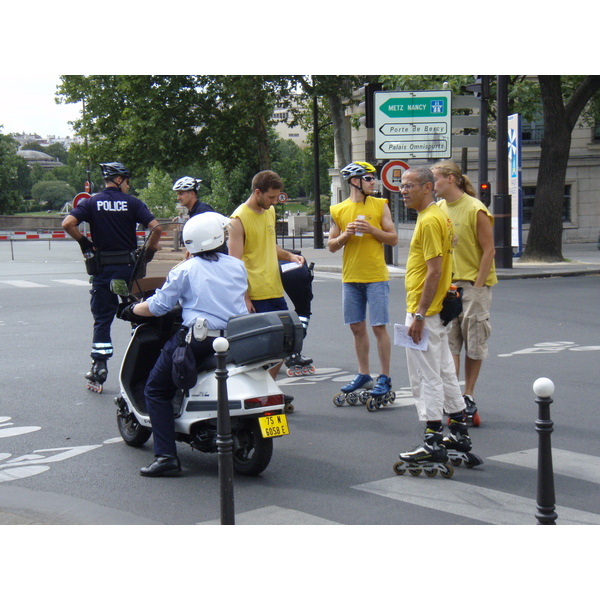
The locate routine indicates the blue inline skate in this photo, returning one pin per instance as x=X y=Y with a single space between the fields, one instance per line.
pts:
x=355 y=390
x=381 y=394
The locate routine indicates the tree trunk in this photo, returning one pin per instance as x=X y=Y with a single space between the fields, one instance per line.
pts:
x=340 y=136
x=262 y=136
x=544 y=242
x=545 y=233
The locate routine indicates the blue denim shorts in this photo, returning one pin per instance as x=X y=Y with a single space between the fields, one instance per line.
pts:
x=356 y=296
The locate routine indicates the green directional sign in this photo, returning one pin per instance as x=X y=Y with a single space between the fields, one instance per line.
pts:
x=415 y=107
x=413 y=124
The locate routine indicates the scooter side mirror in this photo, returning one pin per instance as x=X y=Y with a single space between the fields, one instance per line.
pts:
x=119 y=287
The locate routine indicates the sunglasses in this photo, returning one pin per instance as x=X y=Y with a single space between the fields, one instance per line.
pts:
x=369 y=178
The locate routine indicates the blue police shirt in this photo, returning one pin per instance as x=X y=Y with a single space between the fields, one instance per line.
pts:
x=113 y=217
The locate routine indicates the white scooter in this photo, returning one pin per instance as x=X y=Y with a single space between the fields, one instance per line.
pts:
x=256 y=404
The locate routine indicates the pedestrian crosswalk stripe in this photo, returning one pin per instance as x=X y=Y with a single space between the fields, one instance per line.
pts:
x=571 y=464
x=72 y=281
x=22 y=283
x=470 y=501
x=275 y=515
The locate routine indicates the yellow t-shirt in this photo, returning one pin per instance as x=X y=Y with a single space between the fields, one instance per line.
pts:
x=467 y=251
x=363 y=260
x=432 y=237
x=260 y=253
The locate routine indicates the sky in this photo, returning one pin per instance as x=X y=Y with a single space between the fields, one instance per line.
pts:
x=72 y=41
x=27 y=105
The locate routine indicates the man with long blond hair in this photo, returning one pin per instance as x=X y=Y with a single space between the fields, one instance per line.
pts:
x=474 y=271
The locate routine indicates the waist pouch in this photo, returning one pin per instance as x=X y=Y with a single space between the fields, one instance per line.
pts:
x=184 y=371
x=116 y=257
x=451 y=307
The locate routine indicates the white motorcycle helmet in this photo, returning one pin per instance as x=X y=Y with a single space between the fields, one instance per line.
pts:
x=205 y=232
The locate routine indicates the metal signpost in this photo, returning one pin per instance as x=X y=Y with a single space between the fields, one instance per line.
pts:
x=413 y=124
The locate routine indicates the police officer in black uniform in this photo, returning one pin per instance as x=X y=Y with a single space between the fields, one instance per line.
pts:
x=113 y=216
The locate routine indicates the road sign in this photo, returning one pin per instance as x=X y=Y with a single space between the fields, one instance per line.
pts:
x=79 y=197
x=283 y=197
x=391 y=174
x=413 y=124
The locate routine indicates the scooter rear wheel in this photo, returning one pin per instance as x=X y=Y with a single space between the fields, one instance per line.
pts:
x=131 y=431
x=251 y=452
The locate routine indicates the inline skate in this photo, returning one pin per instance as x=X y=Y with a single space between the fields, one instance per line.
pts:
x=458 y=446
x=430 y=458
x=351 y=393
x=471 y=413
x=381 y=394
x=298 y=365
x=97 y=375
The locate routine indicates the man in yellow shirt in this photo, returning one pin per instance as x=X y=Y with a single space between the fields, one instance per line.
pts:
x=474 y=271
x=431 y=370
x=252 y=239
x=361 y=225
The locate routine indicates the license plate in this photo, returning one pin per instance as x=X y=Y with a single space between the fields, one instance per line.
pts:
x=273 y=426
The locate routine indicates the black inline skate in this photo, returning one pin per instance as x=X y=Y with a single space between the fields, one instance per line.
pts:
x=430 y=458
x=458 y=446
x=97 y=375
x=351 y=392
x=381 y=394
x=298 y=365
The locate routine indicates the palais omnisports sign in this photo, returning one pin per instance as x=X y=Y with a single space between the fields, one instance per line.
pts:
x=413 y=124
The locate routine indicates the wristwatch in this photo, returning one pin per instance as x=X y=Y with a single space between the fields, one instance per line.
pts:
x=419 y=317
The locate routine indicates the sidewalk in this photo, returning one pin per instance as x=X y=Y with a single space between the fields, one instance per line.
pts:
x=580 y=259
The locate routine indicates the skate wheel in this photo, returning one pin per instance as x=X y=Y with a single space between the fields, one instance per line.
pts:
x=364 y=397
x=391 y=397
x=94 y=387
x=352 y=398
x=430 y=471
x=339 y=399
x=371 y=405
x=312 y=369
x=290 y=372
x=288 y=408
x=446 y=471
x=456 y=461
x=476 y=420
x=399 y=468
x=414 y=471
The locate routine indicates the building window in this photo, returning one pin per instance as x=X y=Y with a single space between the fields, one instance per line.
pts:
x=596 y=133
x=532 y=133
x=529 y=196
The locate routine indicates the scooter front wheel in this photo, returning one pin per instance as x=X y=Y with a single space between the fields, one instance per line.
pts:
x=251 y=452
x=131 y=431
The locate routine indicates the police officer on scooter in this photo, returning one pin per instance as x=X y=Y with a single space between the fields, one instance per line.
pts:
x=210 y=287
x=113 y=216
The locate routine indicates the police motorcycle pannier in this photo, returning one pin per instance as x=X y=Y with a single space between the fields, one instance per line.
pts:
x=264 y=336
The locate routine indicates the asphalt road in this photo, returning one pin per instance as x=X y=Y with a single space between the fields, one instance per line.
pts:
x=62 y=460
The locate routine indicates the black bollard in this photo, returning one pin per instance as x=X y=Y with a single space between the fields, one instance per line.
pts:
x=224 y=438
x=546 y=514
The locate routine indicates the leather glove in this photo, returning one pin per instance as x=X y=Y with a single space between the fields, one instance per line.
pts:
x=125 y=313
x=85 y=244
x=149 y=255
